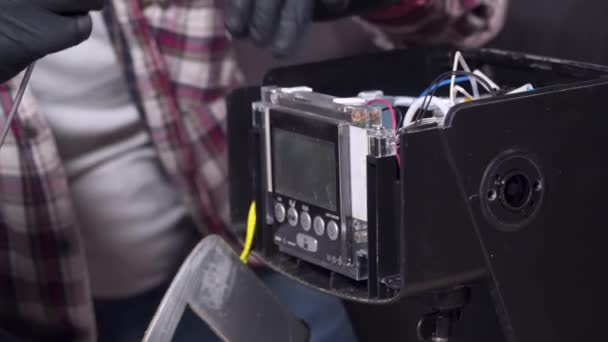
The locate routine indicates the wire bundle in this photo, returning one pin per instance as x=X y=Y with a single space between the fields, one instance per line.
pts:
x=427 y=98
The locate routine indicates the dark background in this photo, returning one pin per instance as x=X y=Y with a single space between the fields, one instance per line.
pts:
x=567 y=29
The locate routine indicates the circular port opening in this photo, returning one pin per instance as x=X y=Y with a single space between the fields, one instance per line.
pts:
x=517 y=191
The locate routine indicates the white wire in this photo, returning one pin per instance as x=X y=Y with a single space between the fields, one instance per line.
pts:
x=459 y=89
x=459 y=60
x=524 y=88
x=11 y=116
x=487 y=79
x=484 y=86
x=404 y=101
x=435 y=101
x=453 y=80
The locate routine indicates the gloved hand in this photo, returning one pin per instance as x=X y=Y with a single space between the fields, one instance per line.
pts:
x=31 y=29
x=278 y=24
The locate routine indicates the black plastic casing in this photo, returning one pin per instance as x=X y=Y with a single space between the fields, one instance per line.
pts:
x=435 y=221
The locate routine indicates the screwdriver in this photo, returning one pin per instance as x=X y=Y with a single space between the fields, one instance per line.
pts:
x=11 y=116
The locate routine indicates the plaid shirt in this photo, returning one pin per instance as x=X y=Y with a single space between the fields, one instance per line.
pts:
x=179 y=66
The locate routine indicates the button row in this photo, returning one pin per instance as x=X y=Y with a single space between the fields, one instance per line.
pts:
x=305 y=221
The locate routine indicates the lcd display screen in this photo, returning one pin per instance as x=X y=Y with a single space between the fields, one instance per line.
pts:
x=305 y=168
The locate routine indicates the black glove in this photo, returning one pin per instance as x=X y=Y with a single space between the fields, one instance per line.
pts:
x=31 y=29
x=278 y=24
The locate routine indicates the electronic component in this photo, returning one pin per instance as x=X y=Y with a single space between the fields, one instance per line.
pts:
x=482 y=205
x=314 y=155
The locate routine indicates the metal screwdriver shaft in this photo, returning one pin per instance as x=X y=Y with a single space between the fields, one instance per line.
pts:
x=11 y=116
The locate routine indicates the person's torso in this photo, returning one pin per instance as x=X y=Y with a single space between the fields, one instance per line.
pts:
x=179 y=68
x=127 y=207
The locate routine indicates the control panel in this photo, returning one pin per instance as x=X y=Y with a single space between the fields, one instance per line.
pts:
x=314 y=153
x=314 y=234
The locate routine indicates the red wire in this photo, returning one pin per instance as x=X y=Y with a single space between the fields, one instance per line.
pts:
x=393 y=120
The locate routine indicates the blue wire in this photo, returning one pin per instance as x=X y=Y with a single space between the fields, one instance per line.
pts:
x=443 y=83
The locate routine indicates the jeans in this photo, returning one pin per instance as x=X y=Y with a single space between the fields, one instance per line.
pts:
x=127 y=319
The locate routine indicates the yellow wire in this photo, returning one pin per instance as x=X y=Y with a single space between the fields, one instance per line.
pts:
x=251 y=220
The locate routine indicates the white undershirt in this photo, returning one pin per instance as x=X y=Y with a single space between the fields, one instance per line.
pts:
x=128 y=209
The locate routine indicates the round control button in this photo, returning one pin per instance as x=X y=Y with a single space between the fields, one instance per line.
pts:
x=305 y=221
x=332 y=230
x=279 y=212
x=292 y=217
x=319 y=226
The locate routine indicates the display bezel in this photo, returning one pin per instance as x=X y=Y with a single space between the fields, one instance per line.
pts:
x=317 y=128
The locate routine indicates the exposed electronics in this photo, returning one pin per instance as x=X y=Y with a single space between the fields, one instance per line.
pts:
x=314 y=155
x=476 y=210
